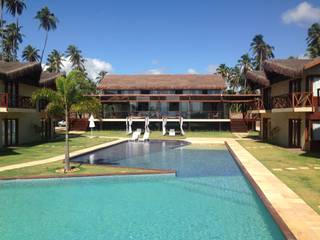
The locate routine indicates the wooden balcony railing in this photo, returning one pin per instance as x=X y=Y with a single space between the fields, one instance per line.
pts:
x=293 y=100
x=4 y=100
x=160 y=114
x=15 y=102
x=257 y=104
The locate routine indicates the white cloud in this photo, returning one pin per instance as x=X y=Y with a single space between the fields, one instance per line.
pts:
x=154 y=71
x=93 y=66
x=212 y=68
x=302 y=14
x=191 y=71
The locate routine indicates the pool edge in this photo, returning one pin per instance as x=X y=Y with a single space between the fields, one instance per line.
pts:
x=283 y=203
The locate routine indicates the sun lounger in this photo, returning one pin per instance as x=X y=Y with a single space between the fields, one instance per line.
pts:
x=135 y=136
x=172 y=132
x=145 y=137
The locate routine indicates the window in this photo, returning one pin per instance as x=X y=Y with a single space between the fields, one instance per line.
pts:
x=173 y=106
x=315 y=86
x=316 y=131
x=295 y=86
x=178 y=92
x=145 y=92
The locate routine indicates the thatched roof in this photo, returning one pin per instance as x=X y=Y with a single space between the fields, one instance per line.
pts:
x=292 y=68
x=47 y=79
x=22 y=72
x=162 y=82
x=258 y=78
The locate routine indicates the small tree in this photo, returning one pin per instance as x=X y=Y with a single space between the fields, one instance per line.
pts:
x=72 y=92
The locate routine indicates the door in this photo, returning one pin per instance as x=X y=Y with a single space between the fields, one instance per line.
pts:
x=10 y=130
x=266 y=129
x=295 y=133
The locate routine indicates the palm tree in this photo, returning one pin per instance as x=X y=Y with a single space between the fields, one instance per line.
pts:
x=223 y=70
x=48 y=21
x=245 y=65
x=30 y=54
x=234 y=79
x=313 y=40
x=54 y=61
x=101 y=75
x=13 y=37
x=261 y=51
x=77 y=60
x=15 y=7
x=71 y=93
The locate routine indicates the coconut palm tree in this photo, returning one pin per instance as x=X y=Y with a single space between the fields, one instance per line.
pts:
x=101 y=75
x=261 y=51
x=223 y=70
x=54 y=61
x=13 y=37
x=313 y=40
x=15 y=7
x=71 y=93
x=30 y=54
x=245 y=65
x=48 y=21
x=77 y=60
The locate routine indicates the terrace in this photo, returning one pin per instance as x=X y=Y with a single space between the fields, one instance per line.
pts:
x=290 y=102
x=18 y=103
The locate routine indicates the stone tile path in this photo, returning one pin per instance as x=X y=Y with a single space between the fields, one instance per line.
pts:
x=294 y=216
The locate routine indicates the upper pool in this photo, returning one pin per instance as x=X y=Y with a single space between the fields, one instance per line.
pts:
x=210 y=199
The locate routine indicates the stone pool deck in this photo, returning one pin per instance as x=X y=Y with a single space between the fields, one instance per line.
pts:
x=60 y=157
x=296 y=219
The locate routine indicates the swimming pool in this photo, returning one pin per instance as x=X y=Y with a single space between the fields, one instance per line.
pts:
x=209 y=199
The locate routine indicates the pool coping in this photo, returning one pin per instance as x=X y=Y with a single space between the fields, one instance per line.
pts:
x=147 y=172
x=296 y=219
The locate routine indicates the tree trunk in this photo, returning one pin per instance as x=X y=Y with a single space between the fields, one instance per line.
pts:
x=66 y=149
x=44 y=47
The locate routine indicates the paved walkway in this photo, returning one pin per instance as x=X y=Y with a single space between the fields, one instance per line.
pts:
x=289 y=210
x=59 y=157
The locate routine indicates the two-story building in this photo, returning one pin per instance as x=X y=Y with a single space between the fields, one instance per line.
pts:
x=289 y=107
x=21 y=121
x=199 y=99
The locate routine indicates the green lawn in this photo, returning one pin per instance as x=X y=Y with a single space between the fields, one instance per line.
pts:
x=50 y=170
x=306 y=183
x=158 y=134
x=39 y=151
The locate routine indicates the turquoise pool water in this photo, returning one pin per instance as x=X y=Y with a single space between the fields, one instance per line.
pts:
x=215 y=202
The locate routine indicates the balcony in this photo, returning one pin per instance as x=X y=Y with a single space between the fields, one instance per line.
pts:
x=18 y=103
x=173 y=114
x=3 y=100
x=256 y=106
x=293 y=102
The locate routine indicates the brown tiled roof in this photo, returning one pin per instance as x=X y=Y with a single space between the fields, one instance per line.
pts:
x=258 y=77
x=20 y=71
x=287 y=67
x=162 y=82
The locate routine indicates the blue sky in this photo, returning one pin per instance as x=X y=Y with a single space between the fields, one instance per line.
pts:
x=171 y=36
